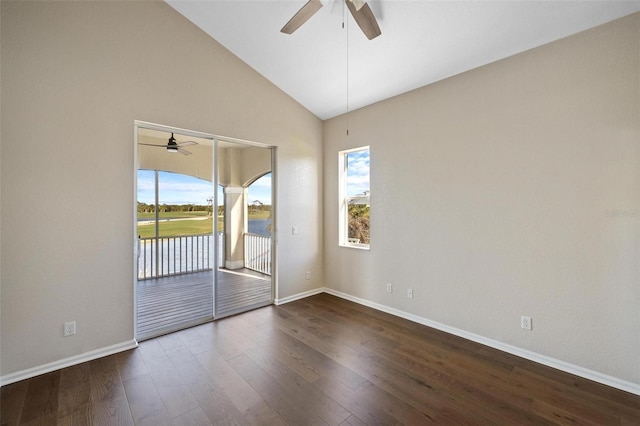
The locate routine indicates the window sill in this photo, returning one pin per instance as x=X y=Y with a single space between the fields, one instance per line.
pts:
x=365 y=247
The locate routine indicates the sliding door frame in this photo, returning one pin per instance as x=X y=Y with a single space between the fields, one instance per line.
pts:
x=215 y=181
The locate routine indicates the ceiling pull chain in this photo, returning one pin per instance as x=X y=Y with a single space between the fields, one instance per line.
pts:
x=347 y=29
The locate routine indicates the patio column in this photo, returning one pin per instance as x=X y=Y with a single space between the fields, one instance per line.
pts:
x=235 y=222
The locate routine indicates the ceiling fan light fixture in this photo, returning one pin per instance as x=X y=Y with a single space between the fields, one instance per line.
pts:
x=172 y=146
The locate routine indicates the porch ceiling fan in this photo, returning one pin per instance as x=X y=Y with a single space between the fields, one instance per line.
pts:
x=173 y=146
x=359 y=9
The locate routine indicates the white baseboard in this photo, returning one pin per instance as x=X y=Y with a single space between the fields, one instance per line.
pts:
x=576 y=370
x=67 y=362
x=299 y=296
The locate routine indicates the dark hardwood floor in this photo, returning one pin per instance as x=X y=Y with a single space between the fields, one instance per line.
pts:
x=320 y=360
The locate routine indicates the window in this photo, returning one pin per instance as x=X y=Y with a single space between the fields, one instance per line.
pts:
x=354 y=196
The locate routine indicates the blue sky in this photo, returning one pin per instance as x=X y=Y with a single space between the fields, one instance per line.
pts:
x=261 y=190
x=357 y=172
x=181 y=189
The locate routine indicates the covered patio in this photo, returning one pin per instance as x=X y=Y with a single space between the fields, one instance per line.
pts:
x=176 y=286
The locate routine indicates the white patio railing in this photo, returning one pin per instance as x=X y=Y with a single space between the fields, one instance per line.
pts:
x=166 y=256
x=257 y=253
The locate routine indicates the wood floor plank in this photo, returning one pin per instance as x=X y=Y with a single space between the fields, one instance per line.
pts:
x=212 y=400
x=130 y=364
x=561 y=416
x=145 y=402
x=176 y=397
x=489 y=387
x=353 y=421
x=399 y=409
x=277 y=396
x=229 y=341
x=241 y=394
x=41 y=400
x=591 y=393
x=75 y=391
x=76 y=416
x=317 y=363
x=11 y=402
x=430 y=395
x=105 y=381
x=361 y=408
x=482 y=393
x=264 y=414
x=432 y=398
x=195 y=417
x=587 y=409
x=111 y=412
x=305 y=395
x=198 y=339
x=154 y=356
x=288 y=354
x=319 y=360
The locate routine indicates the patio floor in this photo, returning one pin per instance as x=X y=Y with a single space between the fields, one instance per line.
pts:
x=170 y=303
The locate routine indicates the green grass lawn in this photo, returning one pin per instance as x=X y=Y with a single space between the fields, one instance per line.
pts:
x=186 y=227
x=178 y=227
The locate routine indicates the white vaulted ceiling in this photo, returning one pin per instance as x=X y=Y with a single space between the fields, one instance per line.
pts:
x=331 y=70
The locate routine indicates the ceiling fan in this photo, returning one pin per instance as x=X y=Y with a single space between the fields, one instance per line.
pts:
x=173 y=146
x=359 y=9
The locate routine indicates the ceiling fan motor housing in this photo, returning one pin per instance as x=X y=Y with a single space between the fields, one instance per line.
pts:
x=172 y=146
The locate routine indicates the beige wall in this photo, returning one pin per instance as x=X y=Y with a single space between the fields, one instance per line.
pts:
x=75 y=76
x=493 y=195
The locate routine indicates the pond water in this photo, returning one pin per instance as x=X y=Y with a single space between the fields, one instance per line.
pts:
x=259 y=227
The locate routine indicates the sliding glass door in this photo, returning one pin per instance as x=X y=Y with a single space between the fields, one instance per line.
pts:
x=204 y=228
x=174 y=224
x=244 y=278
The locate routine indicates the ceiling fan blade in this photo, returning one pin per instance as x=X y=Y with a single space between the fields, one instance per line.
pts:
x=358 y=3
x=302 y=16
x=365 y=20
x=176 y=148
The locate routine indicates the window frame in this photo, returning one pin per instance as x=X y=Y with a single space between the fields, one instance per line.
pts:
x=344 y=199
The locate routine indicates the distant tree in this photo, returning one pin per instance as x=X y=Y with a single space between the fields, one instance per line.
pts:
x=359 y=222
x=145 y=208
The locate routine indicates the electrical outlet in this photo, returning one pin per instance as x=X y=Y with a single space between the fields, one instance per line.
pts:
x=389 y=288
x=525 y=322
x=410 y=293
x=308 y=275
x=69 y=328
